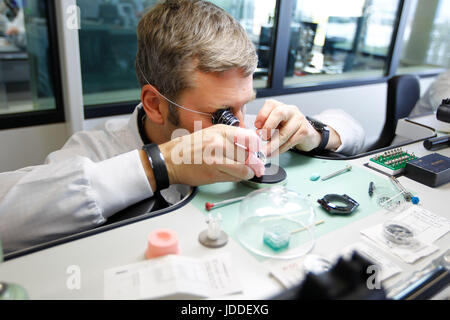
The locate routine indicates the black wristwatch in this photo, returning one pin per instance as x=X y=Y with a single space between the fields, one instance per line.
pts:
x=158 y=164
x=323 y=130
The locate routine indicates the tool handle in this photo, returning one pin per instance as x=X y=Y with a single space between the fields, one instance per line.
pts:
x=437 y=143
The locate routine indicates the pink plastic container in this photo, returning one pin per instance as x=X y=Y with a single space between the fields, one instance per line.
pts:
x=162 y=242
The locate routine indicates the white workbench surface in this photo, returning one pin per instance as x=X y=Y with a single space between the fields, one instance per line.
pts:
x=44 y=273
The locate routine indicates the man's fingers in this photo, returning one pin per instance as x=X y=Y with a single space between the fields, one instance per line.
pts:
x=241 y=156
x=237 y=170
x=264 y=113
x=256 y=165
x=247 y=139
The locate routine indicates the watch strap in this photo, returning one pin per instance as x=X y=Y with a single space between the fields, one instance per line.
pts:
x=325 y=137
x=323 y=130
x=158 y=165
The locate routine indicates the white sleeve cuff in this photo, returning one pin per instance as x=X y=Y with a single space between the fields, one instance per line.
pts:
x=119 y=182
x=349 y=130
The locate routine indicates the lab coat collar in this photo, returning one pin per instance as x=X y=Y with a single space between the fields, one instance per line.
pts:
x=134 y=126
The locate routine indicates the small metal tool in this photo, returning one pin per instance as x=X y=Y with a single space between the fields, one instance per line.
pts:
x=332 y=175
x=406 y=194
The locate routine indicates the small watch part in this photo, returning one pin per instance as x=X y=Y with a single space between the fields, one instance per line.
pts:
x=398 y=233
x=350 y=205
x=261 y=156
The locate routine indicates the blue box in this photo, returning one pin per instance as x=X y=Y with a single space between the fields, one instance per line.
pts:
x=432 y=170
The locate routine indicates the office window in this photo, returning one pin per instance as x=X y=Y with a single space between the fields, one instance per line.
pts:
x=426 y=43
x=28 y=63
x=108 y=44
x=257 y=18
x=334 y=40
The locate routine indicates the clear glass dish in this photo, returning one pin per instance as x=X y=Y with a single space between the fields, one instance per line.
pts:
x=276 y=223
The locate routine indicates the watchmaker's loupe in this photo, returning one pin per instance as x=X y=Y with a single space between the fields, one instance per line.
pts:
x=276 y=223
x=225 y=116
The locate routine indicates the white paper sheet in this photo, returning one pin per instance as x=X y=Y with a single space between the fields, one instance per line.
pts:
x=427 y=226
x=174 y=277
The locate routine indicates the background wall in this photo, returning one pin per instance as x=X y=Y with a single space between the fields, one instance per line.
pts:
x=29 y=146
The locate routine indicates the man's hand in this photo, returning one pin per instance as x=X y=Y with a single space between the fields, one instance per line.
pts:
x=13 y=31
x=210 y=155
x=293 y=129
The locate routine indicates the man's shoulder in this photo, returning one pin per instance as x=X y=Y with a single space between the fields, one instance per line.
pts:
x=115 y=124
x=105 y=139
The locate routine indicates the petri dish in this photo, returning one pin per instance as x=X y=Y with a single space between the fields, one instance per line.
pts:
x=276 y=223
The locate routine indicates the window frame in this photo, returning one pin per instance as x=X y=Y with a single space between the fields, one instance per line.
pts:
x=276 y=87
x=283 y=14
x=43 y=117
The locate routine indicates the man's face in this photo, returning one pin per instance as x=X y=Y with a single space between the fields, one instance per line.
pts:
x=212 y=92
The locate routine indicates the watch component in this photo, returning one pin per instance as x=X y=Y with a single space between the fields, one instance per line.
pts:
x=328 y=204
x=398 y=233
x=390 y=199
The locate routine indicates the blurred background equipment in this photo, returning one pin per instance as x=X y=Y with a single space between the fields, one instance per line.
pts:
x=346 y=280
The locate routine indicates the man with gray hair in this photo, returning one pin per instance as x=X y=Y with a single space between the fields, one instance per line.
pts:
x=193 y=61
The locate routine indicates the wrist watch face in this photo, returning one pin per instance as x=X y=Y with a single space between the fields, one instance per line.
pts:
x=323 y=130
x=319 y=126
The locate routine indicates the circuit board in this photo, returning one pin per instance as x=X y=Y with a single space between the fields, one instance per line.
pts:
x=392 y=161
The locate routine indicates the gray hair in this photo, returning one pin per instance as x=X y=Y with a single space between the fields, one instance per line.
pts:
x=178 y=37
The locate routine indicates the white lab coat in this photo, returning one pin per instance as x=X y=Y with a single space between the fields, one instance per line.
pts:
x=96 y=174
x=432 y=98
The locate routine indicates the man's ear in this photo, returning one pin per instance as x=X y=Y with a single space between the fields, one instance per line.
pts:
x=152 y=103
